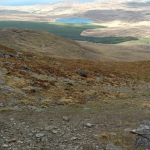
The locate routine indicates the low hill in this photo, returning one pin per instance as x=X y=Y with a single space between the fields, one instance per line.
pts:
x=55 y=46
x=45 y=43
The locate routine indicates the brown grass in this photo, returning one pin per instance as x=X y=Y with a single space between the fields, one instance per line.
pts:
x=124 y=52
x=24 y=39
x=110 y=72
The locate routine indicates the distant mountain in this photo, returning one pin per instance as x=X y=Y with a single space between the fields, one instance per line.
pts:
x=105 y=11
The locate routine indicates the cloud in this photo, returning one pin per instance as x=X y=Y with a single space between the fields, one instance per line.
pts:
x=31 y=2
x=25 y=2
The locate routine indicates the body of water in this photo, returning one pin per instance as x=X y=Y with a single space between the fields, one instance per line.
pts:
x=74 y=20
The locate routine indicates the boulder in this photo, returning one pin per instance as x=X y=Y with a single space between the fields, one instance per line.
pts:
x=143 y=137
x=81 y=73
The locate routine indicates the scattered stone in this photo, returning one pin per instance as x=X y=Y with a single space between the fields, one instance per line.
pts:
x=18 y=52
x=2 y=82
x=112 y=147
x=65 y=118
x=5 y=146
x=26 y=67
x=10 y=89
x=12 y=119
x=16 y=107
x=54 y=131
x=74 y=138
x=128 y=129
x=12 y=140
x=35 y=89
x=39 y=135
x=88 y=125
x=32 y=107
x=20 y=142
x=62 y=146
x=1 y=105
x=48 y=128
x=81 y=73
x=7 y=56
x=30 y=134
x=1 y=54
x=62 y=134
x=30 y=82
x=27 y=89
x=39 y=110
x=98 y=78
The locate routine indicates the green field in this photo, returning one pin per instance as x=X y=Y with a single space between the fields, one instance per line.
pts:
x=144 y=41
x=68 y=30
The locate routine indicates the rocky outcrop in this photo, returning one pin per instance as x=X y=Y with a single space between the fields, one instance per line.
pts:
x=8 y=55
x=5 y=55
x=143 y=136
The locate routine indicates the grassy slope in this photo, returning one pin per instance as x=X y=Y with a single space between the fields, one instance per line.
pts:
x=68 y=30
x=113 y=114
x=55 y=46
x=144 y=41
x=129 y=70
x=46 y=43
x=126 y=52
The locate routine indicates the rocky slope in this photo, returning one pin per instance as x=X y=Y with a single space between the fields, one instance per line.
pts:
x=53 y=103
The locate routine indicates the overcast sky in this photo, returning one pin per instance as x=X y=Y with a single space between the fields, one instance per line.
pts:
x=31 y=2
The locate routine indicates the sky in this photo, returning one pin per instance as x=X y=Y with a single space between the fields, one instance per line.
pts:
x=31 y=2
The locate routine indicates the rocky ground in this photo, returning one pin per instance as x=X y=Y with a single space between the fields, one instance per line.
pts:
x=68 y=128
x=66 y=110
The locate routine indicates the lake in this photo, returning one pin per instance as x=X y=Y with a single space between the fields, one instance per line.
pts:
x=74 y=20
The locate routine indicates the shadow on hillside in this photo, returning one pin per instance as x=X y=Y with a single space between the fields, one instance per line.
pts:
x=102 y=16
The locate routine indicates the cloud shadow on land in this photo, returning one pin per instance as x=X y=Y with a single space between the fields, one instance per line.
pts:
x=101 y=16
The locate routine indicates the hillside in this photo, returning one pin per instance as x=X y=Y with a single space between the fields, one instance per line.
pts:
x=68 y=30
x=56 y=46
x=45 y=43
x=61 y=94
x=122 y=18
x=123 y=52
x=62 y=103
